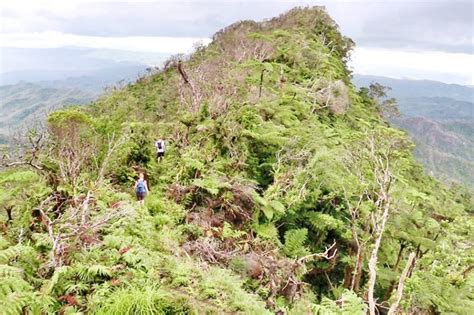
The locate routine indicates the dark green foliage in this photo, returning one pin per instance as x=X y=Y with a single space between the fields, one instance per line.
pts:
x=140 y=146
x=269 y=151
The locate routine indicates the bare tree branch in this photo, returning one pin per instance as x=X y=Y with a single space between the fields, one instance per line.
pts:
x=401 y=283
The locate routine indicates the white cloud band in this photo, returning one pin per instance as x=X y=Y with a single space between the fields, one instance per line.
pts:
x=52 y=39
x=441 y=66
x=434 y=65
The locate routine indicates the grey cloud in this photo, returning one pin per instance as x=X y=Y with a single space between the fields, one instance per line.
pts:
x=436 y=25
x=190 y=19
x=422 y=25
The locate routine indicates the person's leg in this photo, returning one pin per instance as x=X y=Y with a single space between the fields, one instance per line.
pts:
x=140 y=198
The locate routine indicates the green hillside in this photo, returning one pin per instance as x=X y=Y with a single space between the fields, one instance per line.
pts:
x=437 y=108
x=283 y=190
x=439 y=118
x=24 y=103
x=445 y=147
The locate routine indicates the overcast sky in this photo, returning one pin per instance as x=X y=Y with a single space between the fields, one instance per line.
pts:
x=415 y=39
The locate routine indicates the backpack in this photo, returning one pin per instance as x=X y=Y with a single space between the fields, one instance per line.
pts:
x=160 y=146
x=141 y=186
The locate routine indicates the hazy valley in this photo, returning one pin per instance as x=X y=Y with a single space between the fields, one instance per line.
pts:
x=440 y=119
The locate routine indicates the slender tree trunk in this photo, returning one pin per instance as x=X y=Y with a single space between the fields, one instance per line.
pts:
x=401 y=283
x=410 y=270
x=261 y=84
x=357 y=270
x=85 y=208
x=374 y=257
x=190 y=83
x=348 y=271
x=348 y=276
x=355 y=284
x=9 y=213
x=395 y=268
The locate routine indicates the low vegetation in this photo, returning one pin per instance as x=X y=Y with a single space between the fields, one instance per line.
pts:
x=283 y=190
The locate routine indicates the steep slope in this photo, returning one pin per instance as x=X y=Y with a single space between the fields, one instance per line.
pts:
x=282 y=190
x=448 y=154
x=23 y=103
x=439 y=118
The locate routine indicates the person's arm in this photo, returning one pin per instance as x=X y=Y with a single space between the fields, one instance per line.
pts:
x=146 y=187
x=136 y=184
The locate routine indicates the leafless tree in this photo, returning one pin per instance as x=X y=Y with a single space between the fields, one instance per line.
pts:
x=378 y=154
x=25 y=147
x=73 y=226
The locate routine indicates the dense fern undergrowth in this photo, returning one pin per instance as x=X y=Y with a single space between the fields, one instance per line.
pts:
x=283 y=190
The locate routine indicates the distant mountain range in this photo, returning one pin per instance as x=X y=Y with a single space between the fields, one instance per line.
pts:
x=34 y=81
x=407 y=88
x=52 y=64
x=24 y=102
x=440 y=119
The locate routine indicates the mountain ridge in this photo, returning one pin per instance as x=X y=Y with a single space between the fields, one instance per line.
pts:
x=282 y=190
x=415 y=88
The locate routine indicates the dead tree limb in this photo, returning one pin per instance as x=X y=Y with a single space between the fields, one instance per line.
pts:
x=112 y=146
x=467 y=271
x=69 y=228
x=401 y=284
x=85 y=208
x=190 y=83
x=261 y=83
x=384 y=178
x=327 y=254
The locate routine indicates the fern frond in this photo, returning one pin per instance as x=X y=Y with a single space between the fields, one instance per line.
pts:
x=75 y=287
x=48 y=286
x=3 y=243
x=9 y=271
x=294 y=242
x=9 y=285
x=100 y=271
x=41 y=304
x=267 y=231
x=42 y=240
x=9 y=253
x=14 y=303
x=90 y=273
x=147 y=300
x=212 y=183
x=324 y=222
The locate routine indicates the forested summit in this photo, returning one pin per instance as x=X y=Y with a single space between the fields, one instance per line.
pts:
x=282 y=190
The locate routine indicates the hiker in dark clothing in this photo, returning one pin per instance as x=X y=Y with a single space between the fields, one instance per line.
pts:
x=160 y=149
x=141 y=188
